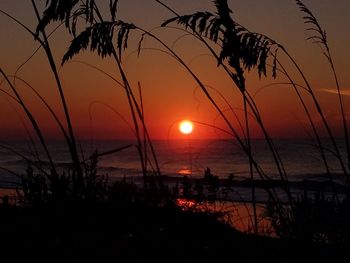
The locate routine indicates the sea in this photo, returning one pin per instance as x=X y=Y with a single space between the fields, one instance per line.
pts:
x=301 y=158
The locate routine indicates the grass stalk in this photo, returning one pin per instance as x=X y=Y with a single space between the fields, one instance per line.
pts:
x=320 y=112
x=72 y=142
x=48 y=107
x=245 y=94
x=32 y=121
x=313 y=126
x=249 y=145
x=217 y=107
x=135 y=109
x=320 y=38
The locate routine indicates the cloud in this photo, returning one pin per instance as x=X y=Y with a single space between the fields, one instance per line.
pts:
x=344 y=92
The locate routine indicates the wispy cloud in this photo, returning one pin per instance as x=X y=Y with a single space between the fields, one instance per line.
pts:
x=344 y=92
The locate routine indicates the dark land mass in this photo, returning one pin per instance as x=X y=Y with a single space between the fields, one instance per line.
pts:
x=135 y=231
x=129 y=227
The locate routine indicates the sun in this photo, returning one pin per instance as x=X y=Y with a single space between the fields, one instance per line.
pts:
x=186 y=127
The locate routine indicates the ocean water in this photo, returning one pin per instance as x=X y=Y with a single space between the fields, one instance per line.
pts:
x=301 y=158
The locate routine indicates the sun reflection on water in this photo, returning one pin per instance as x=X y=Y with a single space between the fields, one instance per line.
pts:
x=185 y=171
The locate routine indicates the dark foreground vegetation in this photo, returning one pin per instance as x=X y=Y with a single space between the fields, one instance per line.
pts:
x=77 y=216
x=127 y=228
x=97 y=221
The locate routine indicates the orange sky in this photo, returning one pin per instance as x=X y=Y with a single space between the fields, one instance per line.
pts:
x=169 y=93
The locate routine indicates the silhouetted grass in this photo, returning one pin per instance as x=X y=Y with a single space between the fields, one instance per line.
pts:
x=244 y=50
x=127 y=228
x=77 y=215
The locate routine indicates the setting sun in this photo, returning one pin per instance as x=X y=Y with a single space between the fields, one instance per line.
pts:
x=186 y=127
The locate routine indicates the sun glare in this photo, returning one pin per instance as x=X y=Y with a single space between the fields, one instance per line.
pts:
x=186 y=127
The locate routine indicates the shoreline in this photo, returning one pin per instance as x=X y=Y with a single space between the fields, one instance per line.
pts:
x=220 y=185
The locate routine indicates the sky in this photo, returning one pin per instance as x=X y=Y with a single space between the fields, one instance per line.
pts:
x=99 y=108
